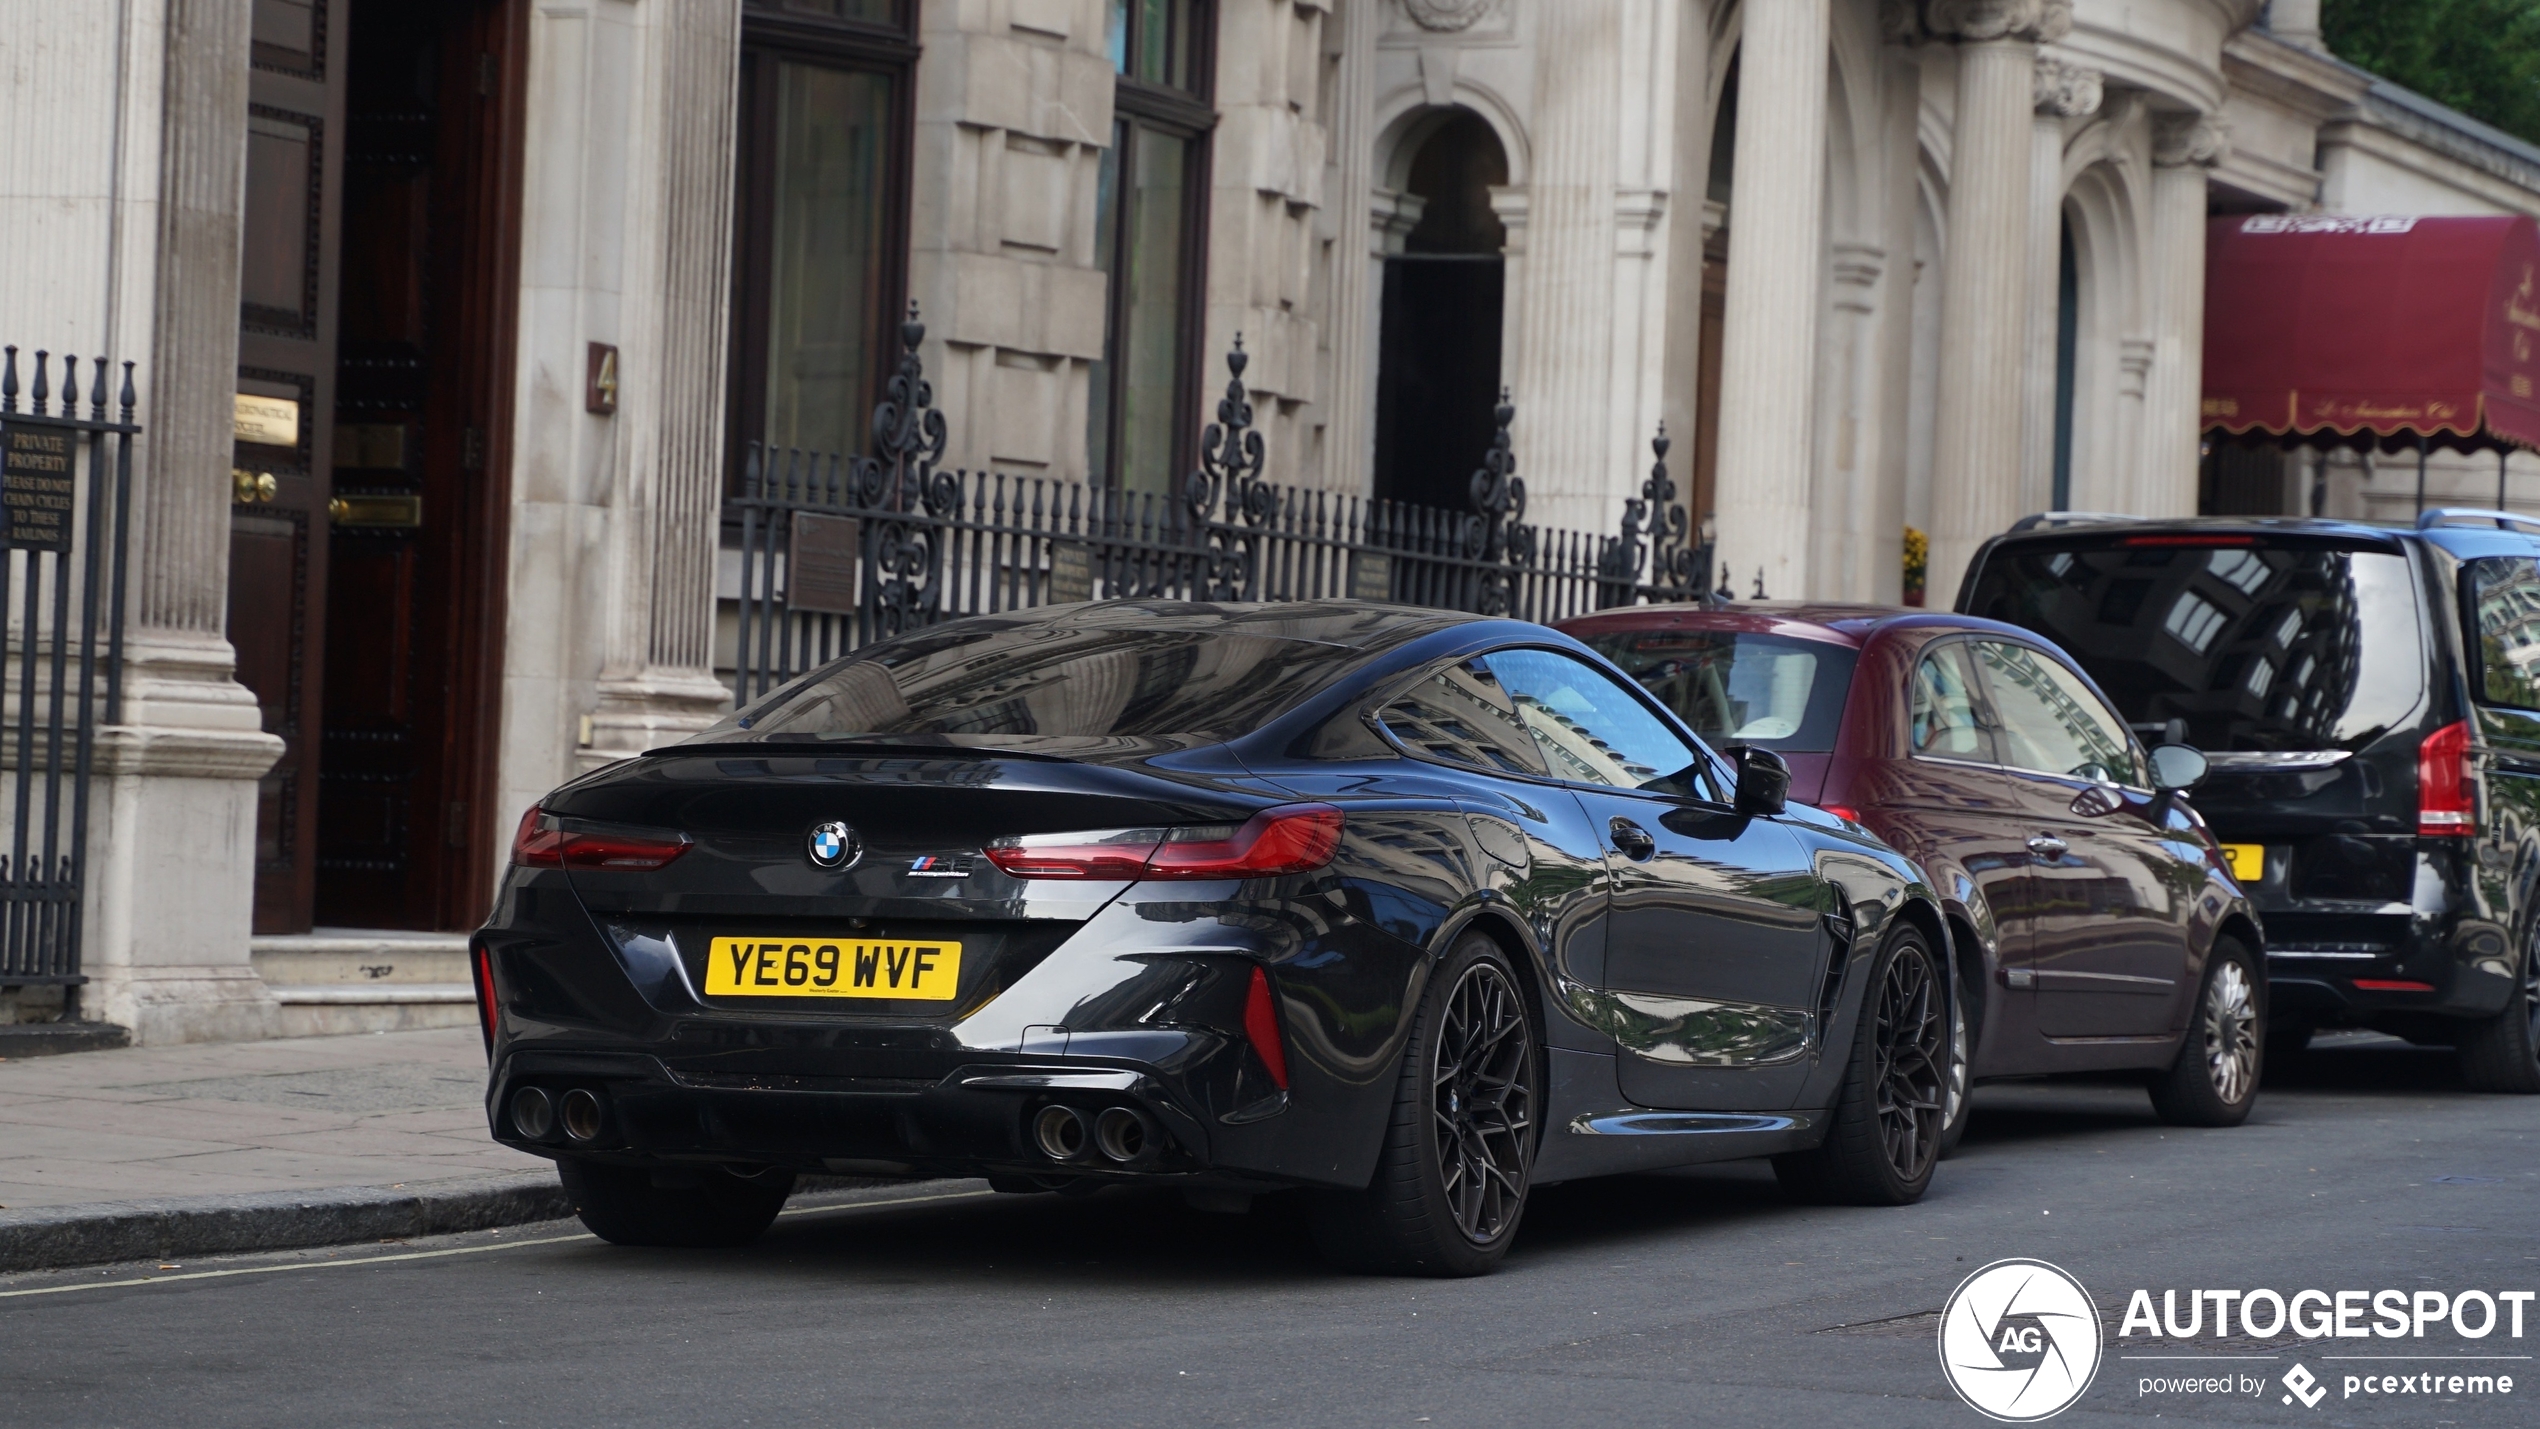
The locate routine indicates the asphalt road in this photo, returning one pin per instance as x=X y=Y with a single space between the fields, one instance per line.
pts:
x=1689 y=1298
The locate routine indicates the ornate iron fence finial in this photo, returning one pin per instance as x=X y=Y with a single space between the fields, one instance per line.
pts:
x=1496 y=531
x=904 y=559
x=1226 y=500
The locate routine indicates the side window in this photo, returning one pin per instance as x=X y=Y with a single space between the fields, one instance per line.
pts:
x=2051 y=722
x=1593 y=731
x=2504 y=593
x=1943 y=721
x=1460 y=715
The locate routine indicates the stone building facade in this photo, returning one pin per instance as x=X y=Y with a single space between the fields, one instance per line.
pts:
x=536 y=273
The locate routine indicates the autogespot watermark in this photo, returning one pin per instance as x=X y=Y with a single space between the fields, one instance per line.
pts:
x=2021 y=1340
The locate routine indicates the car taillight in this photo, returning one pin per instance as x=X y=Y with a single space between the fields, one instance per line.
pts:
x=543 y=843
x=2444 y=790
x=1293 y=838
x=1843 y=811
x=1261 y=1029
x=486 y=1009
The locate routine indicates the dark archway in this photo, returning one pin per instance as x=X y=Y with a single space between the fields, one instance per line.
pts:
x=1437 y=375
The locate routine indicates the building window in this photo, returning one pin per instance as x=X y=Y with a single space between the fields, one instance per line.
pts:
x=1149 y=237
x=820 y=231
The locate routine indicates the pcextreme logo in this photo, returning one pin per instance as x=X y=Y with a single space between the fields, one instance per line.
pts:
x=2019 y=1341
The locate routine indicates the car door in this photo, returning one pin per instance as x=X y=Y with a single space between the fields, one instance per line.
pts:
x=1949 y=803
x=2107 y=948
x=1715 y=938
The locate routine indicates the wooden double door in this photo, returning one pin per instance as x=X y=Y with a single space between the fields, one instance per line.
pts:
x=368 y=486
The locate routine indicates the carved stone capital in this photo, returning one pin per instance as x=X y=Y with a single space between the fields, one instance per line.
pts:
x=1976 y=21
x=2179 y=140
x=1901 y=22
x=1446 y=16
x=2067 y=91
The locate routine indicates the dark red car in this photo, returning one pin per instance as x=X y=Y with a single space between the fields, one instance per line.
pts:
x=2094 y=922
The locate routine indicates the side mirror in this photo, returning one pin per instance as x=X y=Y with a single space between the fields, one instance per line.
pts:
x=2177 y=768
x=1763 y=780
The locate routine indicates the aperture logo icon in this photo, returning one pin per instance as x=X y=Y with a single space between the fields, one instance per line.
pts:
x=2020 y=1341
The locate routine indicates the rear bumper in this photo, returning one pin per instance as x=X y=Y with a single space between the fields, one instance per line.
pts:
x=2381 y=965
x=973 y=1120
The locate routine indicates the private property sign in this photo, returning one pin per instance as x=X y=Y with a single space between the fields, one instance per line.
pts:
x=37 y=464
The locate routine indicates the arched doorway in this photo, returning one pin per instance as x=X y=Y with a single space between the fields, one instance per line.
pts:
x=1437 y=375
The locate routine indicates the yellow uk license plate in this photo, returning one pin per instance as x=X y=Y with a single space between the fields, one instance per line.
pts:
x=925 y=969
x=2248 y=861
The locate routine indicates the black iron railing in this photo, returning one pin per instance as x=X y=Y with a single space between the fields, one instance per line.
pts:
x=65 y=514
x=840 y=550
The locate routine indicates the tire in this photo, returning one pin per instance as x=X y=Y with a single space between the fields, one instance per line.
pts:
x=1458 y=1155
x=2502 y=1053
x=1884 y=1135
x=1958 y=1087
x=2214 y=1081
x=626 y=1205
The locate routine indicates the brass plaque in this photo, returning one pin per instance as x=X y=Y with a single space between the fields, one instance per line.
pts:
x=390 y=510
x=1071 y=573
x=267 y=421
x=38 y=466
x=820 y=567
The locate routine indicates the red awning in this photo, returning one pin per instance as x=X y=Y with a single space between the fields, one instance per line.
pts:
x=2331 y=327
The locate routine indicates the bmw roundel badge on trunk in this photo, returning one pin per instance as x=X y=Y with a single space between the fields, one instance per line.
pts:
x=835 y=845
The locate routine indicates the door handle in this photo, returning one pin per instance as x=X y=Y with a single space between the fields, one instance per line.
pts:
x=1631 y=840
x=2047 y=846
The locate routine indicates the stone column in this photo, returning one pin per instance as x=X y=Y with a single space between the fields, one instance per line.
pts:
x=1560 y=315
x=1689 y=181
x=1901 y=89
x=2184 y=148
x=658 y=683
x=173 y=846
x=1985 y=285
x=1354 y=314
x=2297 y=22
x=2063 y=92
x=1777 y=257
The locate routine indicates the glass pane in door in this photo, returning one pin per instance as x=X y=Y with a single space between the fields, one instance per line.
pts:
x=831 y=145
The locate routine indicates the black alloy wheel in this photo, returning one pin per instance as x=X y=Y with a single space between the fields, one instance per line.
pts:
x=1884 y=1134
x=1911 y=1045
x=1483 y=1107
x=1452 y=1176
x=707 y=1207
x=2502 y=1054
x=2214 y=1081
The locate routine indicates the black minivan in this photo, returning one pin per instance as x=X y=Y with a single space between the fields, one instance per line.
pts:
x=2369 y=697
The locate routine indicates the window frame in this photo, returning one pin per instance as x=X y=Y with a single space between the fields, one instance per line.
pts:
x=1721 y=775
x=1986 y=720
x=2474 y=647
x=1190 y=115
x=769 y=36
x=2134 y=746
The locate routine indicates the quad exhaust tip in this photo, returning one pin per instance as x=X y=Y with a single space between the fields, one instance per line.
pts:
x=1060 y=1132
x=581 y=1114
x=1125 y=1136
x=533 y=1113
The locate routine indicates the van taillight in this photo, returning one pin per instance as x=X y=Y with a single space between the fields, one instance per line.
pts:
x=2444 y=791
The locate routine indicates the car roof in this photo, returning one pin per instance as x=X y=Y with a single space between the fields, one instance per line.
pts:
x=1834 y=622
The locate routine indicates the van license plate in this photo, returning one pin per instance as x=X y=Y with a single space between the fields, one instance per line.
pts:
x=2248 y=861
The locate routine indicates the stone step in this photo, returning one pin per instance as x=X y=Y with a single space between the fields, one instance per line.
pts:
x=359 y=957
x=336 y=981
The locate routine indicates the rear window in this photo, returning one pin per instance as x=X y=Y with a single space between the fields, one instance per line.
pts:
x=1737 y=687
x=2505 y=599
x=2258 y=648
x=1051 y=680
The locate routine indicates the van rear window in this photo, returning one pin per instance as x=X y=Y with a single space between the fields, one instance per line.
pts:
x=2257 y=648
